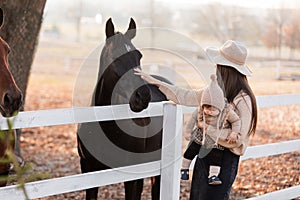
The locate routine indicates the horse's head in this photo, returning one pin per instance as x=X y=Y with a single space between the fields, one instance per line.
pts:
x=10 y=94
x=118 y=59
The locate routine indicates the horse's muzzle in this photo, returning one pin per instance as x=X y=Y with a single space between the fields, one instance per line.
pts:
x=11 y=103
x=140 y=99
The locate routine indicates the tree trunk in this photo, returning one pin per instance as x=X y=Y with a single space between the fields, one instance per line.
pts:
x=22 y=23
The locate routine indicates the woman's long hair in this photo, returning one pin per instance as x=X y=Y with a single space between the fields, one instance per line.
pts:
x=232 y=82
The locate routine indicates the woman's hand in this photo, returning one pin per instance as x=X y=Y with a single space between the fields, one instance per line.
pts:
x=147 y=77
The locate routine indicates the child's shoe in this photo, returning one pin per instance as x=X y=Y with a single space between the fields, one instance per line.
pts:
x=214 y=180
x=185 y=174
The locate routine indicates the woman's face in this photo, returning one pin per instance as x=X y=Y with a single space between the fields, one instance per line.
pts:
x=210 y=110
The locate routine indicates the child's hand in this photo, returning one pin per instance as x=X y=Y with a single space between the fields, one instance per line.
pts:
x=232 y=138
x=203 y=126
x=200 y=125
x=188 y=136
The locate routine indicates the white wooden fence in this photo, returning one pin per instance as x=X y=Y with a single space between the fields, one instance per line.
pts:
x=168 y=167
x=283 y=68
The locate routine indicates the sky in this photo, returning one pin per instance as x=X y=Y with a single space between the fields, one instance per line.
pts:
x=244 y=3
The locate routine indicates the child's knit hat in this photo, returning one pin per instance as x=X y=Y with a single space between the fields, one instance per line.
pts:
x=213 y=94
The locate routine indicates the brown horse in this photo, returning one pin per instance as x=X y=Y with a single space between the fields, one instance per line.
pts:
x=10 y=101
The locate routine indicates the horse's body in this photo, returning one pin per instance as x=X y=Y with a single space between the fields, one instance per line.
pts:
x=10 y=101
x=111 y=144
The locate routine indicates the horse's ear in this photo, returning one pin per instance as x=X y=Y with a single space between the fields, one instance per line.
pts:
x=109 y=29
x=1 y=17
x=131 y=32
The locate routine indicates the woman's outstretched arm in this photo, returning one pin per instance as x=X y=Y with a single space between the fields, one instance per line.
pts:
x=182 y=96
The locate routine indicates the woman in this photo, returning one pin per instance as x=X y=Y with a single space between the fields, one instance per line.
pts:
x=232 y=75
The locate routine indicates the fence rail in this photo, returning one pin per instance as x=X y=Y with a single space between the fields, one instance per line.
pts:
x=31 y=119
x=168 y=167
x=54 y=186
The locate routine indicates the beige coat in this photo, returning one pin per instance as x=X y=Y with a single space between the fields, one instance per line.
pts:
x=242 y=106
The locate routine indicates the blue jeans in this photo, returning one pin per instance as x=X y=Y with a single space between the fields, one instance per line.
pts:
x=201 y=190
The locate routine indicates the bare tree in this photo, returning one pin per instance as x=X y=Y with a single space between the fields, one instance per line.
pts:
x=274 y=36
x=270 y=38
x=75 y=13
x=225 y=22
x=292 y=35
x=23 y=20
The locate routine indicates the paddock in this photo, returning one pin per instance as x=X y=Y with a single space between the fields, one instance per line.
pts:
x=168 y=167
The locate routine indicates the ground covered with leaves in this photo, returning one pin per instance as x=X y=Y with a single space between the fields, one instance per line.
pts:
x=53 y=150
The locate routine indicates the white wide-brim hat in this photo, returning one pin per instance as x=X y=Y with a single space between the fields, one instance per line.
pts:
x=232 y=54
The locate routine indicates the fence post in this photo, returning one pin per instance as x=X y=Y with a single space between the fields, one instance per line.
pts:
x=171 y=152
